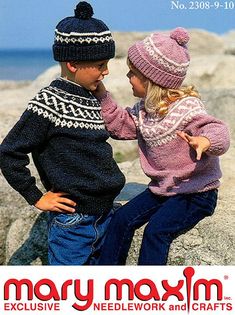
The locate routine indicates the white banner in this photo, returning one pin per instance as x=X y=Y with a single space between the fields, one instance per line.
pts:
x=69 y=290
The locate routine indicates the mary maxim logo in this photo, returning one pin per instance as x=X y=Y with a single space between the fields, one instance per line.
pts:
x=192 y=294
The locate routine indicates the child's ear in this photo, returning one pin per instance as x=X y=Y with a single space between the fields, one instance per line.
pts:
x=72 y=66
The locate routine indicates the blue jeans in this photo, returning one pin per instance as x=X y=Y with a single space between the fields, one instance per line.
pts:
x=167 y=217
x=76 y=239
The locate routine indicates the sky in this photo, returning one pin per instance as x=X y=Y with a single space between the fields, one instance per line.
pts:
x=31 y=23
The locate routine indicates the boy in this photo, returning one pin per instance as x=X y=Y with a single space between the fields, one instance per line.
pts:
x=63 y=129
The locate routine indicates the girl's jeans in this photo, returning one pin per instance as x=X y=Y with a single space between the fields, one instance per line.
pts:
x=76 y=239
x=167 y=217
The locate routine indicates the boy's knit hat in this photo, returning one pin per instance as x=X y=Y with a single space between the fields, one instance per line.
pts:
x=83 y=38
x=162 y=58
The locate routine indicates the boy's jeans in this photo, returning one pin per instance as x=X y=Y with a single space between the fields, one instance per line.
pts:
x=75 y=239
x=167 y=217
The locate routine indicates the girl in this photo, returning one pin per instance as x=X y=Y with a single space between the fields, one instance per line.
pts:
x=170 y=123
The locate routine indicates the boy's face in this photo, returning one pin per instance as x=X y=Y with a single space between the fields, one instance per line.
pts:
x=89 y=73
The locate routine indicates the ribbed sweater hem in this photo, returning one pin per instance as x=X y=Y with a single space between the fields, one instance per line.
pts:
x=94 y=206
x=162 y=192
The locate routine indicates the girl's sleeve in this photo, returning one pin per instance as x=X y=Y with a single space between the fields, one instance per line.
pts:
x=28 y=133
x=120 y=122
x=212 y=128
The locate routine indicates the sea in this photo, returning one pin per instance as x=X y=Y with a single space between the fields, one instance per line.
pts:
x=24 y=65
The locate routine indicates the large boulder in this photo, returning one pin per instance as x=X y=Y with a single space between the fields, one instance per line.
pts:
x=205 y=43
x=211 y=72
x=125 y=39
x=26 y=242
x=229 y=42
x=201 y=42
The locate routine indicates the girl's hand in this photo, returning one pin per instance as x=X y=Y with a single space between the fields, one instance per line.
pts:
x=200 y=144
x=55 y=202
x=100 y=91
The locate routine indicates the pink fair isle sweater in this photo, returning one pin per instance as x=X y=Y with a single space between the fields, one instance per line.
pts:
x=165 y=158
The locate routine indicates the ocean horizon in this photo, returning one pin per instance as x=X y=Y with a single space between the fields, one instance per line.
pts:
x=24 y=64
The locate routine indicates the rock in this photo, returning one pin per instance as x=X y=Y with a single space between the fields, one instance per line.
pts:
x=205 y=43
x=201 y=42
x=211 y=72
x=4 y=226
x=26 y=242
x=221 y=104
x=229 y=42
x=125 y=39
x=45 y=78
x=8 y=84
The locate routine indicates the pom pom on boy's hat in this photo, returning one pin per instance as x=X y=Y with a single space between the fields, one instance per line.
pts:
x=162 y=58
x=82 y=37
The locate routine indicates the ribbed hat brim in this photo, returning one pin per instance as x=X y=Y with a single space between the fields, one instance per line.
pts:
x=84 y=53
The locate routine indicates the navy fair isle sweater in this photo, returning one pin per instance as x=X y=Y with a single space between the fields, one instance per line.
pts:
x=64 y=130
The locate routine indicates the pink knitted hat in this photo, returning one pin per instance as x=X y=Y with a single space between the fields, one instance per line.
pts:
x=162 y=58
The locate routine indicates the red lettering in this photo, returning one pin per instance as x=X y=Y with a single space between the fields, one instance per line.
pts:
x=53 y=294
x=18 y=287
x=119 y=284
x=153 y=290
x=64 y=289
x=88 y=298
x=207 y=285
x=175 y=291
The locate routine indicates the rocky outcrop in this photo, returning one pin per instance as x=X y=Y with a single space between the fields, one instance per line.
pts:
x=201 y=42
x=229 y=42
x=23 y=236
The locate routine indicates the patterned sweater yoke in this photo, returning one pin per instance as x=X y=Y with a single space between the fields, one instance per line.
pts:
x=66 y=109
x=158 y=130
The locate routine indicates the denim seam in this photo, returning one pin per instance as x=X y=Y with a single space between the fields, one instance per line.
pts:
x=96 y=235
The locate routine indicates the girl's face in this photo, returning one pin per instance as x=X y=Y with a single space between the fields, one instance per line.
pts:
x=138 y=82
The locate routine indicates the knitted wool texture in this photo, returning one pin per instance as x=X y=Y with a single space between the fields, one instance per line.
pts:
x=83 y=38
x=162 y=58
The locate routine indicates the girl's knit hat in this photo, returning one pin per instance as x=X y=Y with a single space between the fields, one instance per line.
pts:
x=162 y=58
x=83 y=38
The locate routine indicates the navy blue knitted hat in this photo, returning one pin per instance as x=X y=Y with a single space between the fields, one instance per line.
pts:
x=83 y=38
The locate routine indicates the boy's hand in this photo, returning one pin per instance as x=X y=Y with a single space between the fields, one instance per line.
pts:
x=100 y=91
x=200 y=144
x=55 y=202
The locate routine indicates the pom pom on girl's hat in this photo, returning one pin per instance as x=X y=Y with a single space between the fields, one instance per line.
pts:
x=82 y=37
x=162 y=58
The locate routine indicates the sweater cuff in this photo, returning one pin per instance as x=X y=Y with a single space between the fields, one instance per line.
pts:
x=103 y=96
x=107 y=101
x=215 y=147
x=32 y=195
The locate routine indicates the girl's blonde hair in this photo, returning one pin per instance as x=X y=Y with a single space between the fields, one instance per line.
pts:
x=158 y=98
